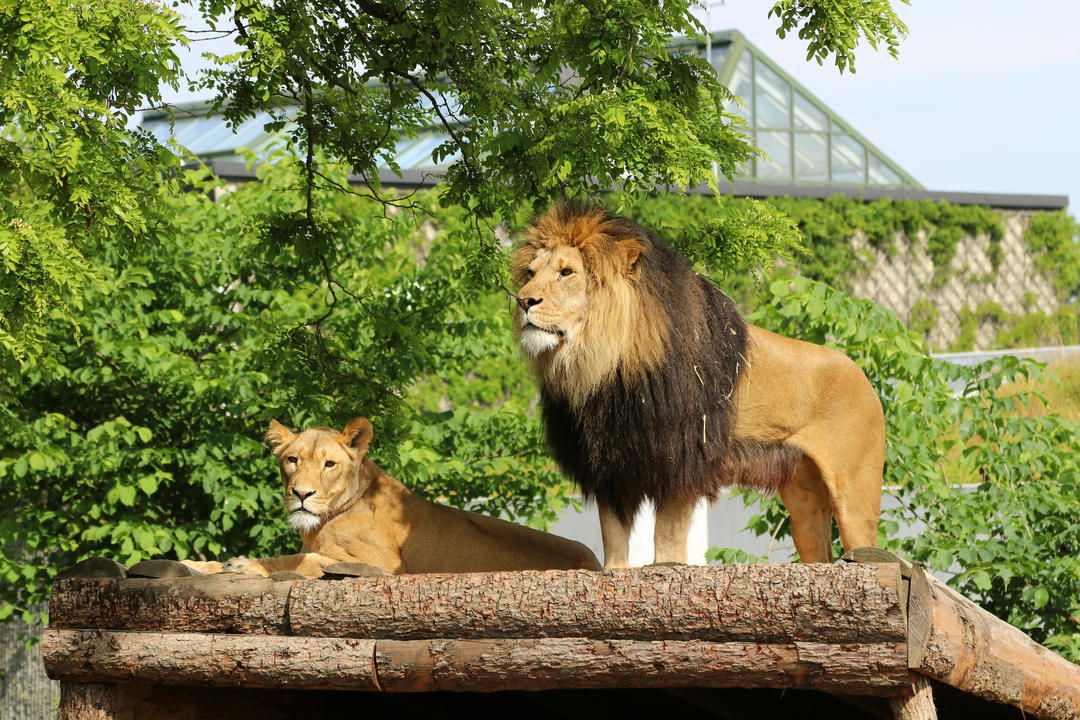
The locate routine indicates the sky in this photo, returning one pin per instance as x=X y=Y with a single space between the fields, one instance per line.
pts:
x=984 y=96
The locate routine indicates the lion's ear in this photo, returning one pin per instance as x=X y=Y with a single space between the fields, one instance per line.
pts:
x=357 y=434
x=628 y=250
x=278 y=436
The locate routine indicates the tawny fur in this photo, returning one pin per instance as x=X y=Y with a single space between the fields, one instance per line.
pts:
x=353 y=511
x=653 y=387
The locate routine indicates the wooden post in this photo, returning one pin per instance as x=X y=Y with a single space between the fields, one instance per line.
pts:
x=87 y=701
x=919 y=705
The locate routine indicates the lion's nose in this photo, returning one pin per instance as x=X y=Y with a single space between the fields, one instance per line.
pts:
x=528 y=302
x=303 y=494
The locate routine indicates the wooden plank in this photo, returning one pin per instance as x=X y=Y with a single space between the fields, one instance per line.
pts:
x=211 y=603
x=753 y=603
x=953 y=640
x=254 y=661
x=578 y=663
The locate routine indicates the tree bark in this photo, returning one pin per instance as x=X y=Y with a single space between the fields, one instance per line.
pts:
x=211 y=603
x=469 y=665
x=254 y=661
x=953 y=640
x=753 y=603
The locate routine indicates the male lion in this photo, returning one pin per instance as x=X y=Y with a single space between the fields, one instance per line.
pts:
x=347 y=509
x=654 y=387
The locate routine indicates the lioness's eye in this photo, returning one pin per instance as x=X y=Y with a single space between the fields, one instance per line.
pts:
x=330 y=463
x=566 y=271
x=292 y=459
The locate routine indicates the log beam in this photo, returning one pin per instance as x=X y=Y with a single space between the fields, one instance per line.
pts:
x=469 y=665
x=751 y=603
x=953 y=640
x=211 y=603
x=254 y=661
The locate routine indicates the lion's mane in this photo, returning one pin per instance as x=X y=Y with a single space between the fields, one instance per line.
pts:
x=644 y=407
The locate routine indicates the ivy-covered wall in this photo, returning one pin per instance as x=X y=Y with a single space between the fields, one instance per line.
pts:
x=967 y=277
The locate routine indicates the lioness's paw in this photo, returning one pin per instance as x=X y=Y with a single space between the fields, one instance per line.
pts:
x=244 y=566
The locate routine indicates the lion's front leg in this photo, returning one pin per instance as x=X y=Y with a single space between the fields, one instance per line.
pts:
x=616 y=537
x=673 y=519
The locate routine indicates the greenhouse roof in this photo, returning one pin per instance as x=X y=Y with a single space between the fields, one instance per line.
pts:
x=804 y=141
x=809 y=150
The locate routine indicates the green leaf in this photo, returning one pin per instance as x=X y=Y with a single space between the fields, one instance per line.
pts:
x=126 y=494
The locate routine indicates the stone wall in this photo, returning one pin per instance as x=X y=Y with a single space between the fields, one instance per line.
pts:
x=904 y=279
x=26 y=693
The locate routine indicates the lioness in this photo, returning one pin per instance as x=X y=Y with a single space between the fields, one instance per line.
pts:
x=347 y=509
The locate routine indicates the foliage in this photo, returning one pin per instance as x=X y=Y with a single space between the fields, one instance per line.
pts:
x=536 y=101
x=837 y=28
x=985 y=494
x=139 y=436
x=1058 y=392
x=73 y=177
x=1032 y=329
x=1055 y=240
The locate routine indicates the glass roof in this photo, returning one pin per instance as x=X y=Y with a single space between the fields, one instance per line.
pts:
x=804 y=141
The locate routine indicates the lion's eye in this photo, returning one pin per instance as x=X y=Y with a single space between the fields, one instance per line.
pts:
x=565 y=272
x=330 y=463
x=529 y=273
x=292 y=459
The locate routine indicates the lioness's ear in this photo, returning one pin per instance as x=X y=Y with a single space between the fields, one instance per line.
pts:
x=357 y=434
x=278 y=436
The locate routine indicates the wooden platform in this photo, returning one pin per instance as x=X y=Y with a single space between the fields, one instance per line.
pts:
x=876 y=638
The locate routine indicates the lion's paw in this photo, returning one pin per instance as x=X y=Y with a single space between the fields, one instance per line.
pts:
x=244 y=566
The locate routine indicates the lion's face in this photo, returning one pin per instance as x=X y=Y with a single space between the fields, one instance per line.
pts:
x=582 y=313
x=553 y=298
x=323 y=470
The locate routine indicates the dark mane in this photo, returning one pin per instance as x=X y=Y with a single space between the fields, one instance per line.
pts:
x=667 y=432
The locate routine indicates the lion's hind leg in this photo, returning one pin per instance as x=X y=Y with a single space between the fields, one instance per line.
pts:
x=807 y=500
x=856 y=499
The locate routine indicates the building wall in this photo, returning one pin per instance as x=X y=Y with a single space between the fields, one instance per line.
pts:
x=904 y=278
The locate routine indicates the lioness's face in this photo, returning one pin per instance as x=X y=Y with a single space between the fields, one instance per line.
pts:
x=553 y=298
x=323 y=470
